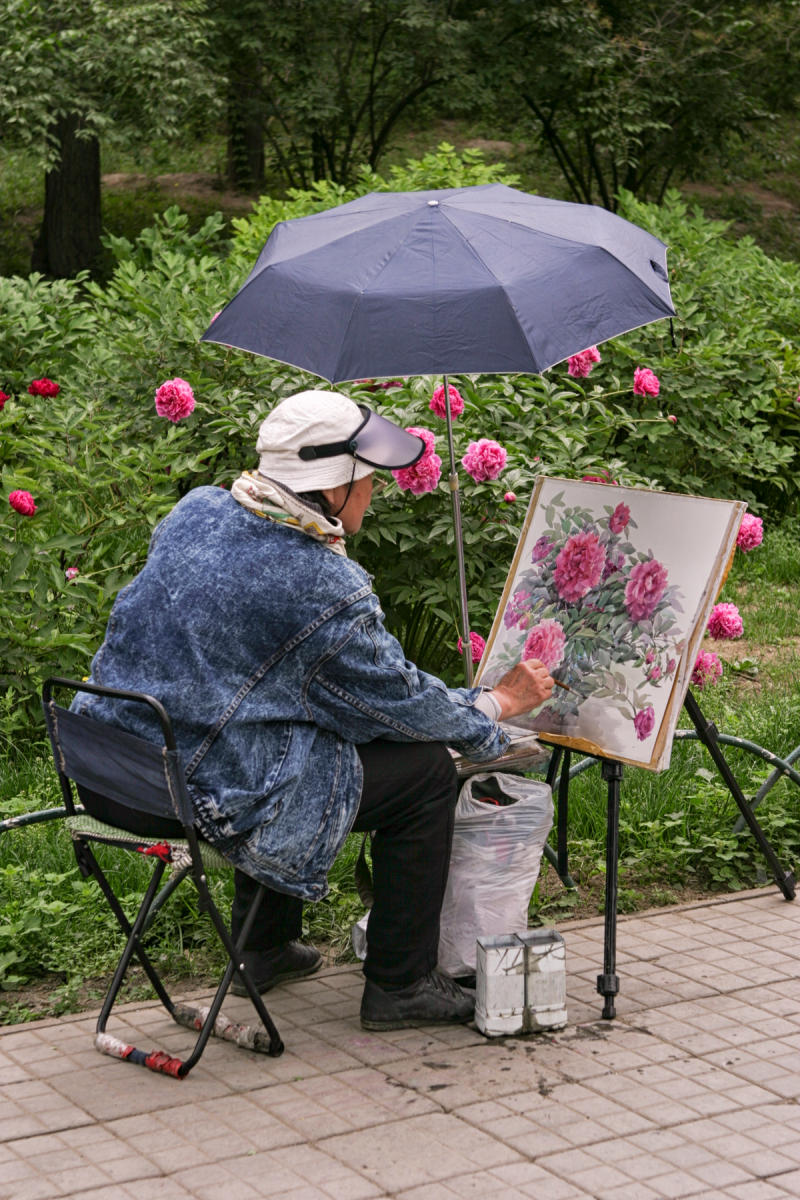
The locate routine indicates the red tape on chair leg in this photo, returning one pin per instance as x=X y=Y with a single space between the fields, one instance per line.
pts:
x=156 y=1060
x=159 y=1060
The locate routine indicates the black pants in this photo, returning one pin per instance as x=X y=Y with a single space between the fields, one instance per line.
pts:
x=408 y=800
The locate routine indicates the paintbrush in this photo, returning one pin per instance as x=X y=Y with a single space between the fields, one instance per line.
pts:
x=567 y=688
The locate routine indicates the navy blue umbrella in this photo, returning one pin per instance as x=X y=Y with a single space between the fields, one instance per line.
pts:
x=463 y=281
x=475 y=280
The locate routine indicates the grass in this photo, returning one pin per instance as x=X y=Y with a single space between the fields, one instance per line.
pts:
x=677 y=837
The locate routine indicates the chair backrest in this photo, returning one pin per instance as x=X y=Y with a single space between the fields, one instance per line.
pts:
x=146 y=777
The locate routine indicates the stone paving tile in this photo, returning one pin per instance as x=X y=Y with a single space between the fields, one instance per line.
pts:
x=79 y=1159
x=555 y=1119
x=34 y=1107
x=378 y=1049
x=121 y=1089
x=759 y=1189
x=666 y=1167
x=320 y=1107
x=405 y=1154
x=462 y=1077
x=690 y=1092
x=187 y=1135
x=308 y=1173
x=159 y=1188
x=518 y=1181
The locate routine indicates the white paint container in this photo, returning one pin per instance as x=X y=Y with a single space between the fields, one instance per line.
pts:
x=521 y=982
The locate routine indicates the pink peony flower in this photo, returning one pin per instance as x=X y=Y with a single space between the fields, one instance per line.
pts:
x=751 y=532
x=581 y=365
x=644 y=723
x=72 y=573
x=654 y=674
x=424 y=475
x=645 y=382
x=545 y=641
x=509 y=497
x=3 y=397
x=672 y=418
x=603 y=477
x=516 y=609
x=725 y=622
x=619 y=518
x=541 y=548
x=644 y=589
x=484 y=460
x=427 y=435
x=174 y=400
x=22 y=502
x=437 y=404
x=579 y=566
x=671 y=665
x=707 y=669
x=43 y=387
x=477 y=646
x=614 y=562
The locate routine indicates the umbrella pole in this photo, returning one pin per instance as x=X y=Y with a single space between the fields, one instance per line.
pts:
x=462 y=577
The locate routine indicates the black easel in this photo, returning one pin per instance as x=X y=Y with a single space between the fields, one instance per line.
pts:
x=707 y=733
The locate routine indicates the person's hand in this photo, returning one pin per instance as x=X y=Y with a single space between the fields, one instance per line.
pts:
x=525 y=686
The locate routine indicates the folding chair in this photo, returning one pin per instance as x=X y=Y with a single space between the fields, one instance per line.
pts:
x=111 y=767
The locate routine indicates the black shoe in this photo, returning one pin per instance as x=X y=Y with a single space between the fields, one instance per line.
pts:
x=292 y=960
x=432 y=1000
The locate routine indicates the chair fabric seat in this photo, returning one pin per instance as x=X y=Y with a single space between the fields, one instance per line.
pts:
x=85 y=826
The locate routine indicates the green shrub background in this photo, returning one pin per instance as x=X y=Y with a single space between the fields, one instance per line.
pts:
x=103 y=467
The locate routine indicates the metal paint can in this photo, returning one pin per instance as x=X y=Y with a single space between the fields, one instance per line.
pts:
x=521 y=982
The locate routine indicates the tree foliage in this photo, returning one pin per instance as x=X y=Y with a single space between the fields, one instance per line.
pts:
x=127 y=68
x=634 y=93
x=330 y=79
x=78 y=72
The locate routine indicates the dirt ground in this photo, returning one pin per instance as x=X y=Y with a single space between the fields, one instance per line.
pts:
x=196 y=185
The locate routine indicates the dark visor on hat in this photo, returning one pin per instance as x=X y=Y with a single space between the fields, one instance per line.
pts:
x=377 y=442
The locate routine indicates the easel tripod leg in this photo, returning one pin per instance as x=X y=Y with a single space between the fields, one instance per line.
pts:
x=558 y=858
x=608 y=982
x=707 y=733
x=563 y=819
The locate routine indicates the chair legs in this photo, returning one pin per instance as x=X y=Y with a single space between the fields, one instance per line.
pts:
x=208 y=1021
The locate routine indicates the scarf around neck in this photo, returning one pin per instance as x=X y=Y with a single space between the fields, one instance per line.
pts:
x=276 y=502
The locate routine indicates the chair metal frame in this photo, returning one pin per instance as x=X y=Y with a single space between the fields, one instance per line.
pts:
x=160 y=791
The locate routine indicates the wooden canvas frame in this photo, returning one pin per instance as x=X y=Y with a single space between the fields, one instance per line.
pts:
x=612 y=588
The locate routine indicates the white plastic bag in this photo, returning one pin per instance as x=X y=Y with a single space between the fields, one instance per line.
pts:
x=494 y=865
x=358 y=936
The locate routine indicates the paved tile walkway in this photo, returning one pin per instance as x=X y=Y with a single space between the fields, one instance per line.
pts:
x=693 y=1091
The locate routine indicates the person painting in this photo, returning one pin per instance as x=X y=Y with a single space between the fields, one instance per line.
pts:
x=297 y=716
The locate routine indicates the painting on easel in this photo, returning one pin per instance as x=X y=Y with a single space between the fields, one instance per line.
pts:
x=611 y=588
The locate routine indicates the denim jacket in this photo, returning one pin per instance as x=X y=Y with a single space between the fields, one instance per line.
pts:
x=270 y=654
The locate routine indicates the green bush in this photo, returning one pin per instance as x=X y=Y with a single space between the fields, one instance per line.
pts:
x=103 y=467
x=734 y=376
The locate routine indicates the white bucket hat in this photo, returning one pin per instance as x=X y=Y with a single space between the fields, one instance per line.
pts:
x=319 y=439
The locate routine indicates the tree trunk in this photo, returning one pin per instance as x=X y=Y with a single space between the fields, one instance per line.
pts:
x=245 y=132
x=69 y=238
